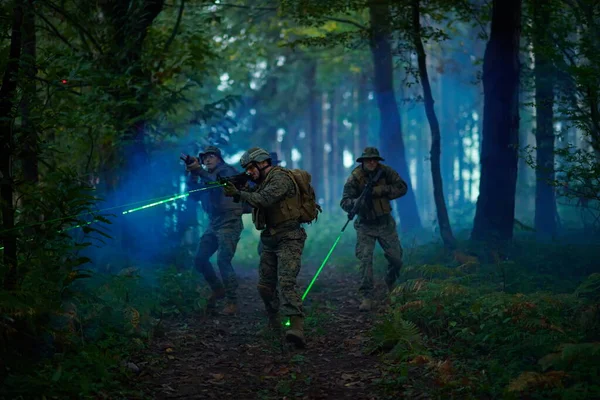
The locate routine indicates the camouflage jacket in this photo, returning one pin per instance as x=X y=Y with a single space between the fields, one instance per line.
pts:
x=214 y=202
x=390 y=186
x=274 y=201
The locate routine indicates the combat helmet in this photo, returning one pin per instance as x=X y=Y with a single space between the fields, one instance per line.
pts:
x=211 y=150
x=254 y=155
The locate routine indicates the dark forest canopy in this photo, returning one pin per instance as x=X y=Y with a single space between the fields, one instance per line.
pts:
x=490 y=111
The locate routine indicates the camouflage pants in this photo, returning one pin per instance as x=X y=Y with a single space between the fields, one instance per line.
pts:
x=280 y=262
x=224 y=239
x=384 y=231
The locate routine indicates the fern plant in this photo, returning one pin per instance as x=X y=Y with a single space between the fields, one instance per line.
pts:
x=399 y=338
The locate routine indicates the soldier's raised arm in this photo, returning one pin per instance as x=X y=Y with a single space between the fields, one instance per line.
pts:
x=278 y=189
x=351 y=193
x=395 y=186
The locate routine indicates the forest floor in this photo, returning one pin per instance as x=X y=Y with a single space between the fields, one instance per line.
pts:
x=224 y=357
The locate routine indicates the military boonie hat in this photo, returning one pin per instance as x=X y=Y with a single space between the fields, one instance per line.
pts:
x=370 y=153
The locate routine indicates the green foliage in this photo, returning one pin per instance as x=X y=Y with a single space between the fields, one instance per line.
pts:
x=590 y=288
x=480 y=342
x=399 y=337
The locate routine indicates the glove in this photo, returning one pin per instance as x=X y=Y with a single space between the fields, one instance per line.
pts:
x=230 y=190
x=351 y=214
x=193 y=165
x=380 y=191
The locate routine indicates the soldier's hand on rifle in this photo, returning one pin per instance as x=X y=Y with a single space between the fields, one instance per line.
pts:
x=191 y=163
x=230 y=190
x=380 y=191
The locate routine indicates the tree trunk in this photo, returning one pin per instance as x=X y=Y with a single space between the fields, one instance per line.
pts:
x=390 y=132
x=314 y=133
x=7 y=143
x=545 y=200
x=325 y=154
x=335 y=154
x=30 y=140
x=436 y=173
x=130 y=23
x=361 y=106
x=495 y=211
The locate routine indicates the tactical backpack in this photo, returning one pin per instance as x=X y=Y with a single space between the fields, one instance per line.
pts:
x=309 y=208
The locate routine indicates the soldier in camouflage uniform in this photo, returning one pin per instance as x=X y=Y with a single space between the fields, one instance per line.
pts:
x=224 y=230
x=275 y=202
x=374 y=220
x=274 y=162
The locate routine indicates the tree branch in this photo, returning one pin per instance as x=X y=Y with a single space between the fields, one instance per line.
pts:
x=50 y=83
x=246 y=7
x=175 y=28
x=55 y=31
x=347 y=21
x=75 y=23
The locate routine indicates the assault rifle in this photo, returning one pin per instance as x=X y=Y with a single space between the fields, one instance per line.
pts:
x=239 y=180
x=363 y=196
x=187 y=159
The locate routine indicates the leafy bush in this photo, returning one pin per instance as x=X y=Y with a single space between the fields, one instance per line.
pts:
x=473 y=340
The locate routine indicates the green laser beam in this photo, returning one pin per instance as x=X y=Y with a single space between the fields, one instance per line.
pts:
x=169 y=199
x=173 y=198
x=157 y=199
x=312 y=282
x=62 y=230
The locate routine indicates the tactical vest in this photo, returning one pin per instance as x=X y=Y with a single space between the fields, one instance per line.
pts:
x=380 y=205
x=217 y=202
x=286 y=210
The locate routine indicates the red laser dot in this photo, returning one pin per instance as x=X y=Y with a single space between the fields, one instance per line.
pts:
x=64 y=81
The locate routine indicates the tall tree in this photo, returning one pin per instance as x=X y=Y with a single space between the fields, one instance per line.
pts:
x=545 y=200
x=8 y=93
x=29 y=132
x=495 y=210
x=434 y=125
x=314 y=132
x=390 y=130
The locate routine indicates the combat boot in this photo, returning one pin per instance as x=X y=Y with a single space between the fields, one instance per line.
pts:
x=273 y=327
x=217 y=294
x=296 y=332
x=365 y=305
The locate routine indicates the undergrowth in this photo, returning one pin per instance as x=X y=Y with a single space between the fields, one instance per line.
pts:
x=526 y=326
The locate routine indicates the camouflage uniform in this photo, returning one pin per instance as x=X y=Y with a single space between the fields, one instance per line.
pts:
x=275 y=212
x=274 y=161
x=223 y=232
x=374 y=220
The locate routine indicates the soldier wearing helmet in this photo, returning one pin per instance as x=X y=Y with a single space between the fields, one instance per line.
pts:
x=374 y=220
x=274 y=161
x=224 y=230
x=275 y=212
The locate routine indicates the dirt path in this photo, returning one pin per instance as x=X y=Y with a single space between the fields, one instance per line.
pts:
x=220 y=357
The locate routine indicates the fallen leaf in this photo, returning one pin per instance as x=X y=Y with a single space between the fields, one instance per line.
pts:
x=218 y=377
x=347 y=377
